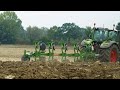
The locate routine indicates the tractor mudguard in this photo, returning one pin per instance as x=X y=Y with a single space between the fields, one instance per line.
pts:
x=107 y=44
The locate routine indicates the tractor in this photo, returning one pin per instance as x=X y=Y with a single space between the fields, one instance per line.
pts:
x=105 y=43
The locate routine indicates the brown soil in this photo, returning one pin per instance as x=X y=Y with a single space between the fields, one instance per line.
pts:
x=58 y=70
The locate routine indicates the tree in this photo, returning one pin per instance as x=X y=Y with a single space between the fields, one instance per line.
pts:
x=70 y=30
x=44 y=34
x=11 y=28
x=36 y=34
x=52 y=33
x=44 y=31
x=88 y=32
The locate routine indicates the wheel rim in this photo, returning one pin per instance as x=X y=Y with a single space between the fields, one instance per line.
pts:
x=113 y=56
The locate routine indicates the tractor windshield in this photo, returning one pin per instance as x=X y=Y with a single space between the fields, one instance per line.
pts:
x=100 y=35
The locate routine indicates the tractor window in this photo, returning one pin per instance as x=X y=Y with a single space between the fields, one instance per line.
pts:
x=113 y=35
x=96 y=35
x=100 y=35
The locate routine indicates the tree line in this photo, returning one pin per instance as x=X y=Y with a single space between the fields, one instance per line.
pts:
x=12 y=31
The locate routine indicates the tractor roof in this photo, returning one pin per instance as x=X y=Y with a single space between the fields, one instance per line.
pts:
x=99 y=28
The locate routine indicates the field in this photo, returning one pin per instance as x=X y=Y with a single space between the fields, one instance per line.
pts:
x=15 y=52
x=11 y=66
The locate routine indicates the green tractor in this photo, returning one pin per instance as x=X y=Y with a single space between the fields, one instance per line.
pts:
x=105 y=43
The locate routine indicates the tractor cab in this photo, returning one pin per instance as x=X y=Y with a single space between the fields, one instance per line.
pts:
x=101 y=35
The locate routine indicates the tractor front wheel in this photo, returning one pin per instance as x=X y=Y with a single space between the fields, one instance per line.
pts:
x=110 y=54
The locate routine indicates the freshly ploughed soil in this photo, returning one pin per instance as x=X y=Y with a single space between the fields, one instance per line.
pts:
x=58 y=70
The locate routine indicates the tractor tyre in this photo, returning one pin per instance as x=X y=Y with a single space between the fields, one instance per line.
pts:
x=110 y=54
x=24 y=58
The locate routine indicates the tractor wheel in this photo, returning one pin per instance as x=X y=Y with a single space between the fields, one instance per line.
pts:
x=110 y=54
x=25 y=58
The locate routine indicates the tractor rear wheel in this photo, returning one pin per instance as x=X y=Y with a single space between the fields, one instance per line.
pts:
x=110 y=54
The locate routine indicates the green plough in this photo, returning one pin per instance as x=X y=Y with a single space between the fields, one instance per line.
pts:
x=80 y=53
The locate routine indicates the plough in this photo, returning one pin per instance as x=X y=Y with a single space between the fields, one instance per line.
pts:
x=78 y=52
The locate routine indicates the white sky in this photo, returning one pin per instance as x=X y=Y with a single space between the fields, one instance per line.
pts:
x=80 y=18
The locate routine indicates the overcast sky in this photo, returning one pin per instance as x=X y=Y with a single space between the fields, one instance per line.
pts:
x=80 y=18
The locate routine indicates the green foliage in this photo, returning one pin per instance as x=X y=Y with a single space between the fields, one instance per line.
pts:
x=52 y=33
x=88 y=32
x=70 y=30
x=36 y=34
x=11 y=28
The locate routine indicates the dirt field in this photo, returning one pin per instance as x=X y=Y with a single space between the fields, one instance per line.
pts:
x=57 y=70
x=15 y=52
x=11 y=67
